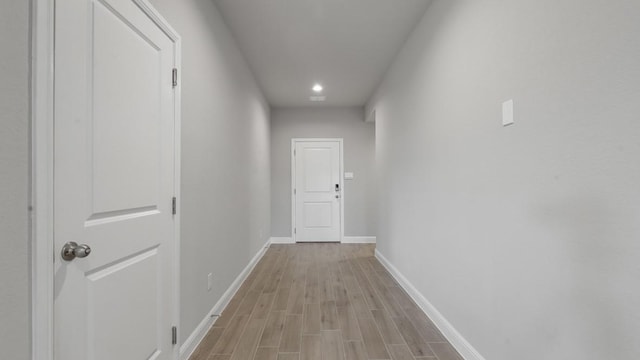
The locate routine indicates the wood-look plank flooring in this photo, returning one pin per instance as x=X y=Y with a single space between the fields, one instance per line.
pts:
x=322 y=302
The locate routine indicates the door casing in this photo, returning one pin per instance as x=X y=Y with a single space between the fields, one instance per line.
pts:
x=42 y=173
x=293 y=182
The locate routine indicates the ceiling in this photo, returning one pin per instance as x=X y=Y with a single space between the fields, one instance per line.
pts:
x=345 y=45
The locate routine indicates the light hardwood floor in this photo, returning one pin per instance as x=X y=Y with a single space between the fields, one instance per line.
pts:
x=324 y=302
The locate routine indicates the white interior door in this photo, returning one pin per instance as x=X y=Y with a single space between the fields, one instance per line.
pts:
x=317 y=190
x=113 y=182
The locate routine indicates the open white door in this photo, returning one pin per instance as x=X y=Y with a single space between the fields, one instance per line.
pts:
x=317 y=190
x=114 y=180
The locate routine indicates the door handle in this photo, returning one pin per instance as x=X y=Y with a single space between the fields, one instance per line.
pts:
x=337 y=187
x=72 y=250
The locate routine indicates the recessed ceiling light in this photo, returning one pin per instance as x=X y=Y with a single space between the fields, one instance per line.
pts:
x=317 y=88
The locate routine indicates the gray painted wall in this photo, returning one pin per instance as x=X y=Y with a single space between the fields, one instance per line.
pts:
x=359 y=158
x=524 y=237
x=14 y=180
x=225 y=158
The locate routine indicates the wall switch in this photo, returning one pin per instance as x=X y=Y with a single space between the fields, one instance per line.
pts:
x=348 y=176
x=209 y=281
x=507 y=113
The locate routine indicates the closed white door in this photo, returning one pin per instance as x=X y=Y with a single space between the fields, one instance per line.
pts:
x=114 y=182
x=317 y=191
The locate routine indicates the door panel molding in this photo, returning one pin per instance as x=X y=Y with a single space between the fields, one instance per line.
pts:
x=42 y=173
x=294 y=141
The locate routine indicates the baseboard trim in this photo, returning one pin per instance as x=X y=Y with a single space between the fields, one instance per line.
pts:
x=345 y=240
x=192 y=342
x=281 y=240
x=359 y=240
x=456 y=339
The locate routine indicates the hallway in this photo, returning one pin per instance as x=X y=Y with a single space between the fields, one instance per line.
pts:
x=322 y=301
x=163 y=164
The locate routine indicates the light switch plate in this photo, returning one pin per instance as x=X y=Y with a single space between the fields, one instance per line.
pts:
x=348 y=176
x=209 y=281
x=507 y=113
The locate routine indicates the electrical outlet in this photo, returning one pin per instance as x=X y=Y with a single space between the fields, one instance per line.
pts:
x=209 y=281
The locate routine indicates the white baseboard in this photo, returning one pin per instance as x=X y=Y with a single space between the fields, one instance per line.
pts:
x=345 y=240
x=282 y=240
x=192 y=342
x=359 y=240
x=456 y=339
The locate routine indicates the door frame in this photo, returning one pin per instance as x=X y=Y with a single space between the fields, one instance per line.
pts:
x=42 y=175
x=293 y=182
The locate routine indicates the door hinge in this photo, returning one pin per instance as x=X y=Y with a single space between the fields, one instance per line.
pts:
x=174 y=335
x=174 y=77
x=294 y=153
x=174 y=205
x=295 y=230
x=294 y=191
